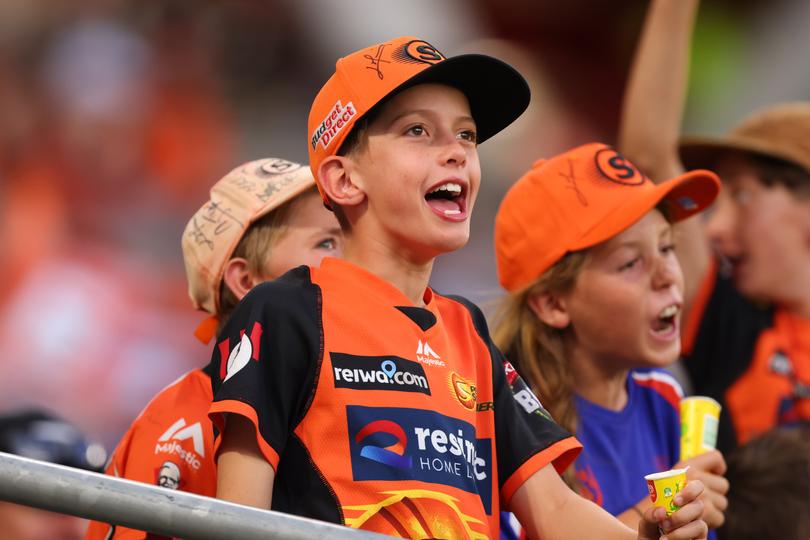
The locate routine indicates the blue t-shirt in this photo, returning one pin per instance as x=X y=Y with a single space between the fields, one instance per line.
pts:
x=621 y=447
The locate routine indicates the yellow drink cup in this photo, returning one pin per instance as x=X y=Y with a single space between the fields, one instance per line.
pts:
x=664 y=486
x=699 y=419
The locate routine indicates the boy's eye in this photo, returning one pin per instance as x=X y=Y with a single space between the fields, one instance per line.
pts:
x=327 y=243
x=468 y=135
x=668 y=248
x=416 y=130
x=629 y=264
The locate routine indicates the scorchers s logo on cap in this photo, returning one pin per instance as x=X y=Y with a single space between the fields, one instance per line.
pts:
x=617 y=168
x=418 y=51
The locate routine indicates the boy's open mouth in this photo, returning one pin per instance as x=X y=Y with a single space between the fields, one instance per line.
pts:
x=666 y=321
x=447 y=199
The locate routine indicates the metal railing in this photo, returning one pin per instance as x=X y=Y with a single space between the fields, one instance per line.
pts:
x=142 y=506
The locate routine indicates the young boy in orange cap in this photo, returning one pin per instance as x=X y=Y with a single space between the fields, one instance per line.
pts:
x=746 y=339
x=263 y=218
x=356 y=394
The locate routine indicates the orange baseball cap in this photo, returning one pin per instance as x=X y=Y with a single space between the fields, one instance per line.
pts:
x=498 y=94
x=581 y=198
x=242 y=197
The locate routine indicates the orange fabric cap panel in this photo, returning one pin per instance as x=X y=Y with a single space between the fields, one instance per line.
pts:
x=581 y=198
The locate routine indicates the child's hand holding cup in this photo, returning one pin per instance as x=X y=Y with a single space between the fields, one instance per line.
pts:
x=663 y=487
x=676 y=510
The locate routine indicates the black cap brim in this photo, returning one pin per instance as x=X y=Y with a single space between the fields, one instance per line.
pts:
x=497 y=92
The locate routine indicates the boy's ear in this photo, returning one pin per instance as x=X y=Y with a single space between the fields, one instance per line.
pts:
x=550 y=309
x=339 y=181
x=238 y=277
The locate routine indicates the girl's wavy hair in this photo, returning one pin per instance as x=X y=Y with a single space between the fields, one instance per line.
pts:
x=536 y=349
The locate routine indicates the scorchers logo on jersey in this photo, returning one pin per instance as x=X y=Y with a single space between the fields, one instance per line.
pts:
x=171 y=442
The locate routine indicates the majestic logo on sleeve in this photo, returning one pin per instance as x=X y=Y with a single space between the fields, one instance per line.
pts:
x=378 y=373
x=412 y=444
x=171 y=442
x=334 y=122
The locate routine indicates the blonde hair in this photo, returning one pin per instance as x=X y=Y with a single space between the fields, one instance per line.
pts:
x=255 y=247
x=536 y=349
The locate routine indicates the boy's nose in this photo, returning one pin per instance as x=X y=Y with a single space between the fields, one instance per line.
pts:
x=721 y=226
x=453 y=152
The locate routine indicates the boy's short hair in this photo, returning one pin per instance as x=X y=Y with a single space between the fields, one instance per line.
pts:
x=497 y=93
x=769 y=495
x=241 y=198
x=776 y=139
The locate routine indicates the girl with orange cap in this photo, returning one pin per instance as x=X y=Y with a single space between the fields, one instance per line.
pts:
x=584 y=246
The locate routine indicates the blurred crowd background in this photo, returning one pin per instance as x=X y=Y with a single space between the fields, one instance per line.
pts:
x=116 y=116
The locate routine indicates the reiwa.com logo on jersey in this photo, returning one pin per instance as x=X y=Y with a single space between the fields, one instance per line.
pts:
x=378 y=373
x=389 y=443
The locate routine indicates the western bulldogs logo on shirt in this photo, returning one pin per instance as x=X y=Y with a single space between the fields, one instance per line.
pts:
x=378 y=373
x=522 y=393
x=389 y=443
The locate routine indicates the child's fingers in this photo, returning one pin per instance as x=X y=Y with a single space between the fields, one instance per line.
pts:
x=715 y=499
x=691 y=491
x=712 y=461
x=713 y=517
x=714 y=483
x=695 y=530
x=691 y=507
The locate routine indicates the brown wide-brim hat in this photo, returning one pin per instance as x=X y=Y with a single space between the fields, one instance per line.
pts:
x=780 y=131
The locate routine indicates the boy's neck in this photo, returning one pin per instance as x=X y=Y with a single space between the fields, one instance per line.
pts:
x=800 y=304
x=409 y=277
x=600 y=384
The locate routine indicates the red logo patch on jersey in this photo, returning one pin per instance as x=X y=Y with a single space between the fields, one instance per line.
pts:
x=511 y=372
x=232 y=361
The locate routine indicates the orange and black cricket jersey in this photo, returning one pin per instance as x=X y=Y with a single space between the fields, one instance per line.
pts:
x=377 y=414
x=753 y=359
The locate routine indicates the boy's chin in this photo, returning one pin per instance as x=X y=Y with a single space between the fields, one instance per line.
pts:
x=450 y=244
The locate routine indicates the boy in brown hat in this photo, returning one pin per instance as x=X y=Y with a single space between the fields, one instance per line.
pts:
x=263 y=218
x=746 y=339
